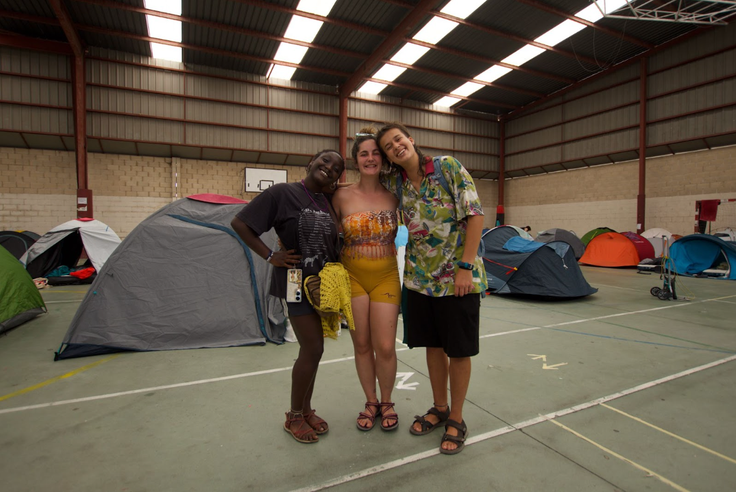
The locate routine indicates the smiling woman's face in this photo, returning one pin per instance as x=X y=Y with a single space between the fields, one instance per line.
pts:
x=369 y=157
x=326 y=168
x=398 y=147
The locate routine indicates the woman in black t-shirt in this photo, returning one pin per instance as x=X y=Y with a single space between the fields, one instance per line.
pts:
x=304 y=220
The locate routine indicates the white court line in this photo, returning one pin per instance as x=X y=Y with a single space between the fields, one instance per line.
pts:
x=625 y=313
x=281 y=369
x=510 y=428
x=62 y=302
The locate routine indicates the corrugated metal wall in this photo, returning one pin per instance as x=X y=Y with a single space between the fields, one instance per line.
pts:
x=40 y=83
x=691 y=97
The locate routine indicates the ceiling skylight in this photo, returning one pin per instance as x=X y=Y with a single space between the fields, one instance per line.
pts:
x=167 y=29
x=435 y=30
x=432 y=33
x=300 y=29
x=389 y=72
x=553 y=37
x=409 y=53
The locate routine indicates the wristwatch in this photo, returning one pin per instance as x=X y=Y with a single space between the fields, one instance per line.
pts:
x=465 y=266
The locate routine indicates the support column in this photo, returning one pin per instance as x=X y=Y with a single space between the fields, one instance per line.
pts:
x=343 y=132
x=500 y=215
x=84 y=194
x=641 y=197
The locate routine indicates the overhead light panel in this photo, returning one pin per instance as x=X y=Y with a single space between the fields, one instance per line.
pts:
x=389 y=72
x=281 y=72
x=462 y=8
x=523 y=55
x=317 y=7
x=594 y=12
x=161 y=28
x=447 y=102
x=436 y=29
x=371 y=87
x=291 y=53
x=409 y=54
x=559 y=33
x=493 y=73
x=300 y=29
x=467 y=88
x=303 y=29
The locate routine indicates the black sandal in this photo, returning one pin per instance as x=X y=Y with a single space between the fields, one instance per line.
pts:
x=428 y=426
x=459 y=440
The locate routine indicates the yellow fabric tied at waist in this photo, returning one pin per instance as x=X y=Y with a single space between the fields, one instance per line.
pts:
x=334 y=293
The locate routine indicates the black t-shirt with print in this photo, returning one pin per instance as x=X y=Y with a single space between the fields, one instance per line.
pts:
x=302 y=221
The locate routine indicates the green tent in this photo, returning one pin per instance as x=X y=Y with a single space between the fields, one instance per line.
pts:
x=20 y=300
x=593 y=233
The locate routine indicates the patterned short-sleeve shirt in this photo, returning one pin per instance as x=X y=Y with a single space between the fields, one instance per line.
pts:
x=437 y=228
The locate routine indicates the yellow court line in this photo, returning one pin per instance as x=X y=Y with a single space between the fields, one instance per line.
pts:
x=57 y=378
x=715 y=453
x=622 y=458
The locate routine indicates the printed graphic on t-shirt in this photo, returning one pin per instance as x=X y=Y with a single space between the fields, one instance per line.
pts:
x=315 y=230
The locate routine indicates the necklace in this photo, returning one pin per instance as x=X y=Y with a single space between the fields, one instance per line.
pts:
x=312 y=199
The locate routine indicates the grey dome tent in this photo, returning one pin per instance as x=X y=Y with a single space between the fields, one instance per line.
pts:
x=17 y=242
x=182 y=279
x=515 y=265
x=20 y=300
x=568 y=237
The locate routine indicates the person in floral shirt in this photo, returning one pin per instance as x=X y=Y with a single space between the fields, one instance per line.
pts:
x=443 y=275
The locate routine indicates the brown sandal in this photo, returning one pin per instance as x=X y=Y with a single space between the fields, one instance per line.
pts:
x=391 y=416
x=428 y=426
x=368 y=414
x=315 y=422
x=300 y=434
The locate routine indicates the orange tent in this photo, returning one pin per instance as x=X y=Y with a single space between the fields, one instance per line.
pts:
x=610 y=250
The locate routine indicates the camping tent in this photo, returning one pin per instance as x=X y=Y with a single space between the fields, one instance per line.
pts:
x=63 y=246
x=20 y=300
x=588 y=236
x=704 y=254
x=17 y=242
x=644 y=248
x=515 y=265
x=182 y=279
x=612 y=249
x=657 y=236
x=565 y=236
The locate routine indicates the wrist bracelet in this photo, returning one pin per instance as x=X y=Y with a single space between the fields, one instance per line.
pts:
x=465 y=266
x=268 y=258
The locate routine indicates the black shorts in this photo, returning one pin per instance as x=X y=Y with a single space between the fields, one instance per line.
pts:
x=448 y=322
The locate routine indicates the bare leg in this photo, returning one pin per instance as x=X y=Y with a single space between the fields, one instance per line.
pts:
x=308 y=330
x=437 y=364
x=459 y=380
x=365 y=362
x=383 y=318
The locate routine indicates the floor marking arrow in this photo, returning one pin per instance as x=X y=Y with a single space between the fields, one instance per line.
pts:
x=553 y=366
x=402 y=384
x=535 y=357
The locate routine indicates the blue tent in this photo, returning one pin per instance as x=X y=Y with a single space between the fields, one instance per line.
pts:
x=515 y=265
x=702 y=253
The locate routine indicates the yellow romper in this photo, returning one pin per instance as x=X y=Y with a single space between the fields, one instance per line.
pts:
x=369 y=255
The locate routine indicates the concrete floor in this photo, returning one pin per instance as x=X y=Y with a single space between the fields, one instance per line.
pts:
x=616 y=392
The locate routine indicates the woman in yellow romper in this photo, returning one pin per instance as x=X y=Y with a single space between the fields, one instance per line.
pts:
x=367 y=213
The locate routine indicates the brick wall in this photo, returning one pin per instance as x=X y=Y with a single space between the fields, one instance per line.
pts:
x=581 y=200
x=38 y=190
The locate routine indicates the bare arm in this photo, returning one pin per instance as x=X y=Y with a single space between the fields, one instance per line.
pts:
x=251 y=239
x=464 y=278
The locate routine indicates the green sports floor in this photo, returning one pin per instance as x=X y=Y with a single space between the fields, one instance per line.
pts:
x=620 y=391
